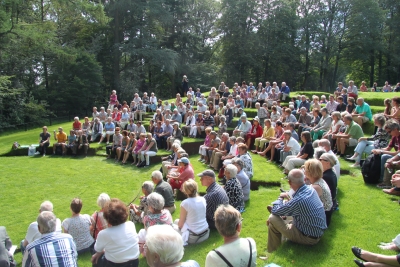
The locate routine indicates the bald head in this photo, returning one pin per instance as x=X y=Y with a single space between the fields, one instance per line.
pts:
x=296 y=178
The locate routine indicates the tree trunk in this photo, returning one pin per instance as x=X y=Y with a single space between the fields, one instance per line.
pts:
x=372 y=71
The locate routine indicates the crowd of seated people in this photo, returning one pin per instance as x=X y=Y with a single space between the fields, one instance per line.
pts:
x=287 y=138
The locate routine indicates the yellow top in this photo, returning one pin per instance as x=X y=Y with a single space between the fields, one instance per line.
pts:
x=268 y=132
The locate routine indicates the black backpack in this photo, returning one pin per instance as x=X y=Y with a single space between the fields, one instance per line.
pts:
x=371 y=169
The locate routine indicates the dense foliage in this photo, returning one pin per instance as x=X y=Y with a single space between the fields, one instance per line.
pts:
x=61 y=57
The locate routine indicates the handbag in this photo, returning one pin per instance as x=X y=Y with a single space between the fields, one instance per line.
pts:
x=142 y=164
x=31 y=150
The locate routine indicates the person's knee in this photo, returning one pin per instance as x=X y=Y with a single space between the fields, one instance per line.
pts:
x=274 y=220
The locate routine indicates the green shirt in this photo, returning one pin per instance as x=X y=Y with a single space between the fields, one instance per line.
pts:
x=364 y=108
x=354 y=130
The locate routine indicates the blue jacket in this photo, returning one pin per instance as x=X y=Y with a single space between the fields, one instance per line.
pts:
x=285 y=90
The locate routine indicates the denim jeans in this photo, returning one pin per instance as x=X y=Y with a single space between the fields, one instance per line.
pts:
x=363 y=147
x=384 y=158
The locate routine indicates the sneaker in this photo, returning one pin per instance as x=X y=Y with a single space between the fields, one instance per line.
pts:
x=355 y=165
x=37 y=153
x=352 y=158
x=44 y=154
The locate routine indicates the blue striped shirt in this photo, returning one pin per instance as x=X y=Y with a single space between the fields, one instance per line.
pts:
x=53 y=249
x=215 y=196
x=307 y=211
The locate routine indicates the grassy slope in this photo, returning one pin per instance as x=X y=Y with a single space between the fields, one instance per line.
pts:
x=365 y=218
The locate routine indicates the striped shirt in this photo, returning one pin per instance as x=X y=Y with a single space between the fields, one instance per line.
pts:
x=208 y=121
x=307 y=211
x=53 y=250
x=215 y=196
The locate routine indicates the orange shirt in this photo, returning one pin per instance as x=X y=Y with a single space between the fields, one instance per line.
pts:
x=61 y=137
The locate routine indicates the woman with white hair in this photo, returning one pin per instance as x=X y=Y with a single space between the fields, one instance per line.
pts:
x=192 y=223
x=222 y=127
x=138 y=212
x=164 y=247
x=233 y=188
x=157 y=215
x=328 y=162
x=124 y=118
x=205 y=145
x=313 y=171
x=98 y=221
x=149 y=149
x=235 y=251
x=378 y=141
x=76 y=125
x=242 y=177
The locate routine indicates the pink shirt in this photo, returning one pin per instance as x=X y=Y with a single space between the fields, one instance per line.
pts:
x=187 y=174
x=113 y=99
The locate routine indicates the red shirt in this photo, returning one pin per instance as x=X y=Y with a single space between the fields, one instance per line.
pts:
x=76 y=125
x=394 y=143
x=116 y=116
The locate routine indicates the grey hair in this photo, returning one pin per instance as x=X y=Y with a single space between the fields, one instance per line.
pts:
x=324 y=109
x=288 y=132
x=184 y=155
x=157 y=175
x=380 y=119
x=392 y=125
x=165 y=242
x=148 y=187
x=296 y=176
x=226 y=135
x=222 y=118
x=348 y=117
x=232 y=170
x=46 y=206
x=232 y=138
x=325 y=143
x=239 y=162
x=243 y=117
x=303 y=108
x=337 y=114
x=330 y=158
x=315 y=144
x=156 y=201
x=177 y=142
x=175 y=145
x=207 y=112
x=47 y=222
x=103 y=199
x=318 y=152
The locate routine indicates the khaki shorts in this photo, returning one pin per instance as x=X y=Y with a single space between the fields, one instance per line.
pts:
x=365 y=119
x=353 y=142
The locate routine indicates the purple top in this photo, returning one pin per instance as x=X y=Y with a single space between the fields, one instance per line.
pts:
x=139 y=145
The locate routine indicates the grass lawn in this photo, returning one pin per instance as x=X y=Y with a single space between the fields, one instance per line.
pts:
x=365 y=217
